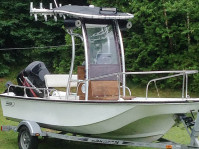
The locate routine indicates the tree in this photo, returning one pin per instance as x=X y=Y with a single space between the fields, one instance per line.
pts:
x=19 y=30
x=164 y=36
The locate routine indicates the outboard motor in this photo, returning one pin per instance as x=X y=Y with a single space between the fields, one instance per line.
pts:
x=33 y=76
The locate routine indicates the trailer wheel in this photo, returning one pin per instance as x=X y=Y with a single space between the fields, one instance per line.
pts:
x=25 y=140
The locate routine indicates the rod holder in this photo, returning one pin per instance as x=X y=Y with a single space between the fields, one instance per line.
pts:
x=55 y=18
x=51 y=6
x=45 y=18
x=41 y=5
x=36 y=18
x=31 y=6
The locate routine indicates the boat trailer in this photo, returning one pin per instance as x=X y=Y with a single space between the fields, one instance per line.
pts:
x=32 y=131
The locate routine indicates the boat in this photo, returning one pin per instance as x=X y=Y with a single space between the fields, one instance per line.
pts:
x=96 y=101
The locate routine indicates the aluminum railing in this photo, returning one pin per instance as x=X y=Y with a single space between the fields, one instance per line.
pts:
x=45 y=90
x=183 y=73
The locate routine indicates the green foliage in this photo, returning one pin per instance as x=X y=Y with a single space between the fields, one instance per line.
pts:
x=18 y=29
x=164 y=36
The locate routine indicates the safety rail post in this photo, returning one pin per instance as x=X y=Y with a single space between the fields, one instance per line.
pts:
x=186 y=86
x=86 y=59
x=72 y=63
x=73 y=35
x=44 y=92
x=156 y=88
x=8 y=91
x=183 y=85
x=25 y=94
x=123 y=58
x=118 y=79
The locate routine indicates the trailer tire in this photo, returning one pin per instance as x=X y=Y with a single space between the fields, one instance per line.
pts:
x=25 y=140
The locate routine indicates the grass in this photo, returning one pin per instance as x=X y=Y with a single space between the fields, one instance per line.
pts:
x=8 y=140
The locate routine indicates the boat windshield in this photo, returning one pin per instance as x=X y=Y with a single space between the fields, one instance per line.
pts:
x=103 y=50
x=102 y=45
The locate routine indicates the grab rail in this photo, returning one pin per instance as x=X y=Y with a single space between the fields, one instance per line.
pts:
x=143 y=73
x=183 y=73
x=128 y=89
x=25 y=88
x=158 y=79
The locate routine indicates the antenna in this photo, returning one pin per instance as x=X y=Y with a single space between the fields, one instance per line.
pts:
x=45 y=12
x=56 y=3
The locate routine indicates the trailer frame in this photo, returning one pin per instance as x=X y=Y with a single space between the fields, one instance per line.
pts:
x=35 y=131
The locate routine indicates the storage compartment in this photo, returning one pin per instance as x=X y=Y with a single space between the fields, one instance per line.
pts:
x=100 y=90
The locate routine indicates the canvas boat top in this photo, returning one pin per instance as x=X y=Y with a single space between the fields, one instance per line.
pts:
x=86 y=12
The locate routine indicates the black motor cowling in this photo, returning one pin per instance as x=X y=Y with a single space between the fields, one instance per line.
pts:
x=35 y=72
x=32 y=76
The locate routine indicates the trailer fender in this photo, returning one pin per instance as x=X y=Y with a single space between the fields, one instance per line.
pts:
x=34 y=128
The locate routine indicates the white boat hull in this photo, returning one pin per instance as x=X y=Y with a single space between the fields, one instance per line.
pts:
x=146 y=120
